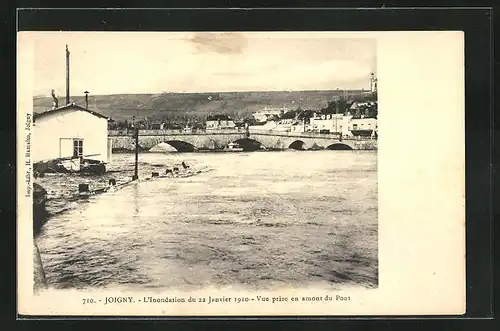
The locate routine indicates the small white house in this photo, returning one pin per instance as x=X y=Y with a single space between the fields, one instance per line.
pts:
x=220 y=122
x=363 y=126
x=71 y=131
x=270 y=125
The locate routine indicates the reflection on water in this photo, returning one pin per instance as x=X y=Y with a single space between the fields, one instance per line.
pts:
x=261 y=219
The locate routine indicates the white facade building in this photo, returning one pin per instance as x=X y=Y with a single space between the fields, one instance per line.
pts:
x=71 y=132
x=363 y=125
x=270 y=125
x=285 y=125
x=300 y=127
x=333 y=123
x=346 y=125
x=220 y=122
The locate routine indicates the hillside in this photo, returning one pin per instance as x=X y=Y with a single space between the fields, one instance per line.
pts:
x=195 y=105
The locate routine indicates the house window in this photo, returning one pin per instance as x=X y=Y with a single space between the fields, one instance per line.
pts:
x=77 y=147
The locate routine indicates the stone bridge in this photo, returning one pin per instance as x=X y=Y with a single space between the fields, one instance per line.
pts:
x=213 y=140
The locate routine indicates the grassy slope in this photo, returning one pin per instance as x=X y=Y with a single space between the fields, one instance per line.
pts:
x=157 y=106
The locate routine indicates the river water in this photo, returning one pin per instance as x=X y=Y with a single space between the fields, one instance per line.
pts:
x=256 y=220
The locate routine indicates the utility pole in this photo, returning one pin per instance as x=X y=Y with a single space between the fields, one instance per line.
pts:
x=136 y=169
x=336 y=130
x=67 y=75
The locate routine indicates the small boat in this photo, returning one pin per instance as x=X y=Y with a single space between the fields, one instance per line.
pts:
x=233 y=147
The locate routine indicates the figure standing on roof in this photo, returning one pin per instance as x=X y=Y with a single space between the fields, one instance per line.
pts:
x=55 y=102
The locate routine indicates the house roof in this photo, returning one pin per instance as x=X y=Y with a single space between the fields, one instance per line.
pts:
x=70 y=106
x=217 y=117
x=289 y=115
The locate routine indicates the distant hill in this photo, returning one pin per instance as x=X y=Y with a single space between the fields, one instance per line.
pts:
x=196 y=105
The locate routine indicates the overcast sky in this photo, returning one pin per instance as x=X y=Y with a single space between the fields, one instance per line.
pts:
x=144 y=62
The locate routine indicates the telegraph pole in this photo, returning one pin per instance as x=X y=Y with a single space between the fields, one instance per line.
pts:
x=136 y=169
x=67 y=75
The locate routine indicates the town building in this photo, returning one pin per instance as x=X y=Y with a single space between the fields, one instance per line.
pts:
x=363 y=127
x=346 y=125
x=331 y=123
x=269 y=125
x=299 y=127
x=220 y=122
x=286 y=124
x=70 y=132
x=268 y=114
x=157 y=126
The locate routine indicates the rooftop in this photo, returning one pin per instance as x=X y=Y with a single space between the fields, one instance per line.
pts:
x=67 y=107
x=218 y=117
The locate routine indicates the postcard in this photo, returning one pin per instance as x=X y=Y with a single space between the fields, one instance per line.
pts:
x=241 y=173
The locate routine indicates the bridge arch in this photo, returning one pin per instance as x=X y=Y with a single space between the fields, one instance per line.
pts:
x=249 y=144
x=298 y=145
x=178 y=145
x=340 y=147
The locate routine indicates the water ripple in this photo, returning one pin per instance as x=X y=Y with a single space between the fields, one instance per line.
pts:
x=256 y=219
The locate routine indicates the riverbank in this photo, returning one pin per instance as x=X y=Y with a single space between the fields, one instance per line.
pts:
x=39 y=280
x=62 y=189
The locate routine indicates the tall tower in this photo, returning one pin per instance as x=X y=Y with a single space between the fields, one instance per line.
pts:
x=373 y=82
x=67 y=75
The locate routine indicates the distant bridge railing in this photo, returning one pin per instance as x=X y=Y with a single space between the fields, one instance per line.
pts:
x=204 y=132
x=306 y=135
x=174 y=132
x=294 y=134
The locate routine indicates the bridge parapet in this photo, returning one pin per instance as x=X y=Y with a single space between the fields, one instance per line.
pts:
x=211 y=139
x=230 y=132
x=112 y=133
x=294 y=134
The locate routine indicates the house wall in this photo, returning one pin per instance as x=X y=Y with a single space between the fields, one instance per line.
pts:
x=212 y=124
x=332 y=122
x=70 y=123
x=222 y=124
x=343 y=124
x=364 y=124
x=285 y=125
x=271 y=125
x=299 y=127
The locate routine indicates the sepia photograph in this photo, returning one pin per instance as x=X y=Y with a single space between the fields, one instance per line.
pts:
x=240 y=173
x=181 y=160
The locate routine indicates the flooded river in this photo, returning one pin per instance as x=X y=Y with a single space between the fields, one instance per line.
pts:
x=261 y=219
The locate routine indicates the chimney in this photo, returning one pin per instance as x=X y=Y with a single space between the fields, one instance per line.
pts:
x=67 y=75
x=86 y=99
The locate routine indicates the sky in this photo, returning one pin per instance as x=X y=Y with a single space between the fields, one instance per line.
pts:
x=157 y=62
